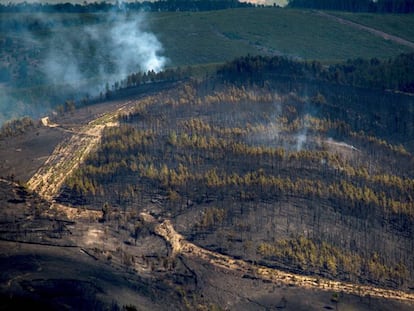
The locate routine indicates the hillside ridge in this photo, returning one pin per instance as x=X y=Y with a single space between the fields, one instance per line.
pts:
x=51 y=176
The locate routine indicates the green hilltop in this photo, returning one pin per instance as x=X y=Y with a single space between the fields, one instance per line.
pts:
x=198 y=39
x=215 y=36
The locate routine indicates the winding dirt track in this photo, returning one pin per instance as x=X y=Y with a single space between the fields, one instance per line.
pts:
x=63 y=161
x=181 y=246
x=68 y=155
x=373 y=31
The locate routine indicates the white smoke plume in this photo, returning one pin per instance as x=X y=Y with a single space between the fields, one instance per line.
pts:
x=119 y=46
x=81 y=54
x=301 y=139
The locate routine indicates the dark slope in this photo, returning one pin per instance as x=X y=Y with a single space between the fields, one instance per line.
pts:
x=309 y=178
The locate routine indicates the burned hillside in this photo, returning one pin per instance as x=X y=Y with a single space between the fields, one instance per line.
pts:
x=303 y=177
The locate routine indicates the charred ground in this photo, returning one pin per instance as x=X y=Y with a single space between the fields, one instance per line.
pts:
x=310 y=177
x=243 y=169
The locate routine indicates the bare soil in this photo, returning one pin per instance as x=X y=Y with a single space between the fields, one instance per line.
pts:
x=21 y=156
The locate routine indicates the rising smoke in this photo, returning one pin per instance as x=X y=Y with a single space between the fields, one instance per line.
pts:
x=109 y=50
x=82 y=56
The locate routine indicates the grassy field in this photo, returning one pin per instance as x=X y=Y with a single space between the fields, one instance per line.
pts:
x=212 y=37
x=401 y=25
x=193 y=38
x=200 y=39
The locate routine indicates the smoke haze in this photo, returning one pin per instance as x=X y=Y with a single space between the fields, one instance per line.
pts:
x=81 y=57
x=107 y=52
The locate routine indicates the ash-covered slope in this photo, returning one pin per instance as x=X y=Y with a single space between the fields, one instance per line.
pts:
x=56 y=257
x=305 y=177
x=212 y=194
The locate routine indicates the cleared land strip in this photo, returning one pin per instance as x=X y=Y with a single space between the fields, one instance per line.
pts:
x=374 y=31
x=69 y=154
x=181 y=246
x=72 y=151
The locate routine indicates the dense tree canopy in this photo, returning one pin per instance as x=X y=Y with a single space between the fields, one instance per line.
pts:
x=164 y=5
x=394 y=74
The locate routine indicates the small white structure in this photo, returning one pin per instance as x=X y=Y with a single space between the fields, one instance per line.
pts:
x=45 y=121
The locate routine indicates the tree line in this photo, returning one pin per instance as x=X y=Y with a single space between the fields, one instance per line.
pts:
x=380 y=6
x=16 y=127
x=324 y=259
x=374 y=73
x=104 y=6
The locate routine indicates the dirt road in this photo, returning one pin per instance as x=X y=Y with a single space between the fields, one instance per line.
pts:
x=70 y=153
x=373 y=31
x=179 y=245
